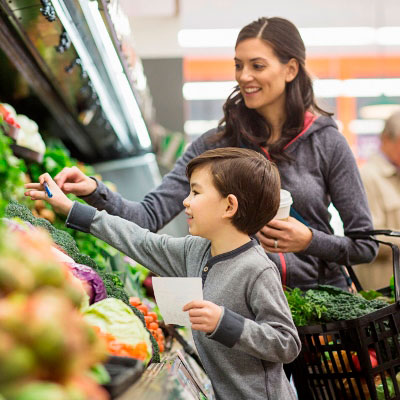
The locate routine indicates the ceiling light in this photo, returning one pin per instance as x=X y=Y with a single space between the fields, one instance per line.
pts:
x=366 y=127
x=323 y=88
x=319 y=36
x=207 y=37
x=207 y=90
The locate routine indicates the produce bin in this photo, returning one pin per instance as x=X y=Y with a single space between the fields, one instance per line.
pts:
x=124 y=372
x=353 y=359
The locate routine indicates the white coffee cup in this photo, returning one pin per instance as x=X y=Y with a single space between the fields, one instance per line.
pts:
x=284 y=205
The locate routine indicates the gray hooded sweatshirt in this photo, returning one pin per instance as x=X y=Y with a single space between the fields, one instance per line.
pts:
x=243 y=356
x=322 y=170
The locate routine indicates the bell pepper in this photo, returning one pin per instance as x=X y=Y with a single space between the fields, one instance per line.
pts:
x=372 y=358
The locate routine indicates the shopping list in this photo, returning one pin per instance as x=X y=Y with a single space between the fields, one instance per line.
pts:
x=172 y=294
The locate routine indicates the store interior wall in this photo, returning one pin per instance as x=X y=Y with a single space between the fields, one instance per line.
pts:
x=165 y=80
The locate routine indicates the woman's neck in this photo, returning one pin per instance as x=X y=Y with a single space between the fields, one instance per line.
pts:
x=276 y=118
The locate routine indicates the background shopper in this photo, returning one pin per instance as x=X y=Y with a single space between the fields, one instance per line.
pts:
x=273 y=111
x=381 y=177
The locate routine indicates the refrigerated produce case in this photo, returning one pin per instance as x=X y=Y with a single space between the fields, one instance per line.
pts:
x=69 y=54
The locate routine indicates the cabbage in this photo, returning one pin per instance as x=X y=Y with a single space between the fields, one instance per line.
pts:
x=115 y=317
x=96 y=289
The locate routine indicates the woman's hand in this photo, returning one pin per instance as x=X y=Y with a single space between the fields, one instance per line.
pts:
x=204 y=315
x=289 y=236
x=59 y=201
x=73 y=180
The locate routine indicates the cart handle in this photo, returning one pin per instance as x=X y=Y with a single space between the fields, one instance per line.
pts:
x=395 y=252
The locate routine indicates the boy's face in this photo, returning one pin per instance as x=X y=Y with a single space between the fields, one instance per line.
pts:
x=204 y=206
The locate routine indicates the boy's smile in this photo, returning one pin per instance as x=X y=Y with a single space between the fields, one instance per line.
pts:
x=204 y=206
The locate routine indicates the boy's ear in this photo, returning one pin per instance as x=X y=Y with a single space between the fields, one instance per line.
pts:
x=232 y=205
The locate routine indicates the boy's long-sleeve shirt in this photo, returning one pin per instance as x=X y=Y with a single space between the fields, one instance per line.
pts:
x=243 y=356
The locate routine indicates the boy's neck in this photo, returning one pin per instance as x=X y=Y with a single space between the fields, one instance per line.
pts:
x=228 y=240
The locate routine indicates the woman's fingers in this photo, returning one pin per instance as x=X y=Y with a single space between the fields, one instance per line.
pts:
x=64 y=175
x=35 y=186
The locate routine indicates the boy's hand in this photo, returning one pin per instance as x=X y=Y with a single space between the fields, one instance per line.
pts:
x=59 y=201
x=204 y=315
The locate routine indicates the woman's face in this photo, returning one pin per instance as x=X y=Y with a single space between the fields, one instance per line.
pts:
x=261 y=76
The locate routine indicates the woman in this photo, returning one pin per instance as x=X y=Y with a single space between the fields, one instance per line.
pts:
x=273 y=111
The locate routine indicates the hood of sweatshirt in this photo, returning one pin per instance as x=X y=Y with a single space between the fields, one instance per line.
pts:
x=312 y=124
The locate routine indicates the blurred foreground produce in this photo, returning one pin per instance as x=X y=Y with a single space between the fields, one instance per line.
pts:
x=46 y=347
x=112 y=283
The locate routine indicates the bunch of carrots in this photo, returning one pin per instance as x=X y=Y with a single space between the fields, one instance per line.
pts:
x=151 y=320
x=117 y=348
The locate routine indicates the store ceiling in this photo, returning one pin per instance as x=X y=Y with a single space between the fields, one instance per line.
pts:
x=156 y=23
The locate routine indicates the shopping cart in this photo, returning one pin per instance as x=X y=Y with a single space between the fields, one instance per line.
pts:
x=354 y=359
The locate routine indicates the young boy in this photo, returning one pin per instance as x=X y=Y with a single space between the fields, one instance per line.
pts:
x=243 y=330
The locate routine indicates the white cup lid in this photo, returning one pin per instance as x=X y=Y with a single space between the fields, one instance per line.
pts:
x=286 y=198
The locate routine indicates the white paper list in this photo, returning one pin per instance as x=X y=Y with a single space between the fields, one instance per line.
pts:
x=172 y=294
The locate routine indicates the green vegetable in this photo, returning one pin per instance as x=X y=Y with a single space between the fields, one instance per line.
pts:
x=112 y=282
x=304 y=312
x=99 y=374
x=380 y=391
x=341 y=305
x=156 y=351
x=370 y=294
x=40 y=390
x=11 y=172
x=328 y=303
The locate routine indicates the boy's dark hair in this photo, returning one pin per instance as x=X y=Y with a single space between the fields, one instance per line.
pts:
x=250 y=177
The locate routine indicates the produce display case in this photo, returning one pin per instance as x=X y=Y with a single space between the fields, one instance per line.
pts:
x=68 y=52
x=177 y=377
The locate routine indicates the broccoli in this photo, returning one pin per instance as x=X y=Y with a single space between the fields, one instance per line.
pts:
x=156 y=351
x=138 y=313
x=14 y=209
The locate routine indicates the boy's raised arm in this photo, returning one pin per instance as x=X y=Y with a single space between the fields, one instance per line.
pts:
x=162 y=254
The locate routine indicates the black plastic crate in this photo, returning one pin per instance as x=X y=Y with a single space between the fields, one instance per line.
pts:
x=337 y=359
x=124 y=372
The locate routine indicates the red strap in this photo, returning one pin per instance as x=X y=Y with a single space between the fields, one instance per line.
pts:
x=266 y=153
x=309 y=118
x=283 y=264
